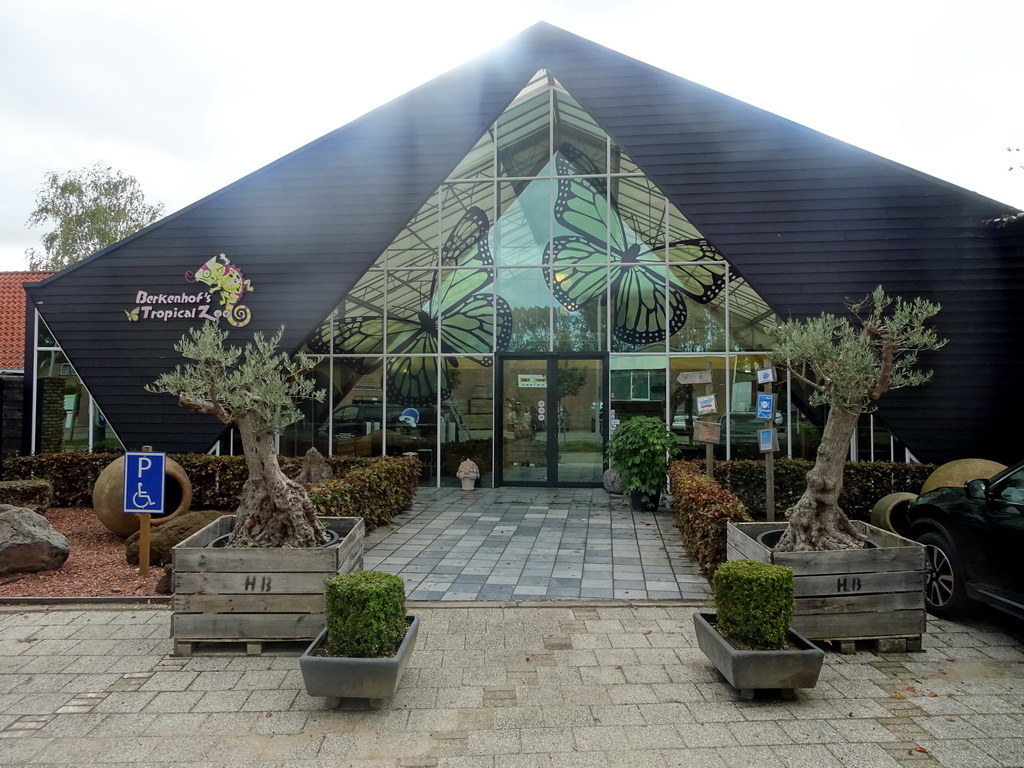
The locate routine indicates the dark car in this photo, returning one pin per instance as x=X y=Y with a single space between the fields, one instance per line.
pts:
x=974 y=541
x=358 y=419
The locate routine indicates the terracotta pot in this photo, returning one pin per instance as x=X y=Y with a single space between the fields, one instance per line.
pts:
x=108 y=497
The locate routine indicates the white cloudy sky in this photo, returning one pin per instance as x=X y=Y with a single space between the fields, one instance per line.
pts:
x=189 y=96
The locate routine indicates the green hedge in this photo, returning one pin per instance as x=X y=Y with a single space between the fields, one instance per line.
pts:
x=376 y=490
x=864 y=483
x=702 y=510
x=216 y=480
x=73 y=474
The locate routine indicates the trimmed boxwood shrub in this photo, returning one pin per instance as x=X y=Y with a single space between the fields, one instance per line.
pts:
x=375 y=490
x=754 y=602
x=365 y=614
x=703 y=510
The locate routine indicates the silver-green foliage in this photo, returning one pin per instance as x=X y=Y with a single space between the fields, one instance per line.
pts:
x=90 y=209
x=850 y=362
x=255 y=385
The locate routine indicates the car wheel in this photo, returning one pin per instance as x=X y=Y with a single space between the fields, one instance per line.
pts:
x=944 y=591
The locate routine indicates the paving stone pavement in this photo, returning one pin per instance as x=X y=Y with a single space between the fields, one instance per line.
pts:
x=534 y=544
x=497 y=685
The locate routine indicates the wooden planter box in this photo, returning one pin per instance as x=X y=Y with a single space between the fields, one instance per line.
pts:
x=256 y=595
x=848 y=595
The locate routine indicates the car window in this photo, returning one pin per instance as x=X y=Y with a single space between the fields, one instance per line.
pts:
x=1012 y=488
x=347 y=414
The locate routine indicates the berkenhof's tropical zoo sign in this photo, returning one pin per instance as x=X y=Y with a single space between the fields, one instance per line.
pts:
x=219 y=275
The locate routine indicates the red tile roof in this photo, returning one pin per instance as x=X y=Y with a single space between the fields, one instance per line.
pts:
x=12 y=317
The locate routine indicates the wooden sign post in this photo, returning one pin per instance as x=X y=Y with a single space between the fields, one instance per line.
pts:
x=144 y=477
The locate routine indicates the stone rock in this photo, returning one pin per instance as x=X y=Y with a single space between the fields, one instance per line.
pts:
x=28 y=543
x=163 y=538
x=166 y=584
x=36 y=495
x=612 y=483
x=314 y=468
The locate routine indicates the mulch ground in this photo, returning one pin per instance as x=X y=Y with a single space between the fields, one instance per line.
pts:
x=96 y=566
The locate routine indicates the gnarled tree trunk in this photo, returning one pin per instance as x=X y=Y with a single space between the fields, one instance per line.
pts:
x=816 y=521
x=273 y=511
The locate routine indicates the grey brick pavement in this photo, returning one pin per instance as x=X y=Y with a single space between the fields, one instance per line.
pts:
x=533 y=544
x=497 y=685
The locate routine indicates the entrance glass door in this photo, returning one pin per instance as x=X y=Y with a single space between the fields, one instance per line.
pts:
x=553 y=427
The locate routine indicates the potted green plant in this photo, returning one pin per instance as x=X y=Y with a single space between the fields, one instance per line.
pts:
x=366 y=643
x=468 y=472
x=639 y=450
x=749 y=638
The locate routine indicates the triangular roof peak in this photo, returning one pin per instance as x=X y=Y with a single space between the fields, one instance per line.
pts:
x=776 y=198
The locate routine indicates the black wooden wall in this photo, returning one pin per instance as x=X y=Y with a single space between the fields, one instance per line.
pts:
x=808 y=220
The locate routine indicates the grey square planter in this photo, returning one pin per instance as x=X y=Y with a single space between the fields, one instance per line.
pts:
x=750 y=671
x=346 y=677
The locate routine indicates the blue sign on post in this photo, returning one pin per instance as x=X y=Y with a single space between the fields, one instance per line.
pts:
x=765 y=406
x=144 y=482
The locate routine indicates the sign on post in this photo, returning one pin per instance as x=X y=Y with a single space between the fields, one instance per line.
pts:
x=144 y=474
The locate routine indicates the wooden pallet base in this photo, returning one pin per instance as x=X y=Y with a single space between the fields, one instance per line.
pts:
x=184 y=648
x=879 y=645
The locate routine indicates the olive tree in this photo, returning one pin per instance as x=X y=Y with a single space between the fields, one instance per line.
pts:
x=255 y=389
x=848 y=363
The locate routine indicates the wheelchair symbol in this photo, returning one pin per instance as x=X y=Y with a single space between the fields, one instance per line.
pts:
x=141 y=499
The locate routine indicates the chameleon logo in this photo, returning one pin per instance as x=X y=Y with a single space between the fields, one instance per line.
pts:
x=221 y=275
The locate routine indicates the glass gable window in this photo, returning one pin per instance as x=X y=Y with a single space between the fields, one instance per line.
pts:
x=65 y=416
x=547 y=238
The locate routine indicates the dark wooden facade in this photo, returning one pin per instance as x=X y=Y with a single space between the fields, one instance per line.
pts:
x=808 y=220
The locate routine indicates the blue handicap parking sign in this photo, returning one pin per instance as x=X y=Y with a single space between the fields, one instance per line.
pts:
x=144 y=482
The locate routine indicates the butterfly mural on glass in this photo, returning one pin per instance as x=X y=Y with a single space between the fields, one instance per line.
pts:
x=598 y=236
x=456 y=314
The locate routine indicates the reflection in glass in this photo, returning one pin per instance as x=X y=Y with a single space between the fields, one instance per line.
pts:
x=574 y=126
x=525 y=389
x=416 y=245
x=583 y=330
x=523 y=130
x=312 y=430
x=527 y=295
x=637 y=386
x=356 y=398
x=467 y=420
x=523 y=229
x=579 y=398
